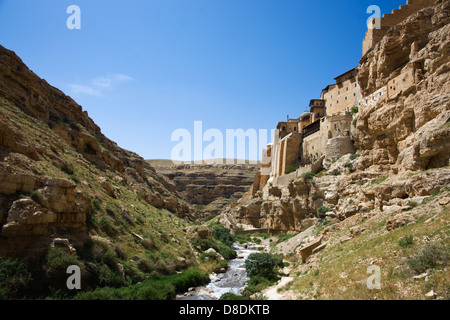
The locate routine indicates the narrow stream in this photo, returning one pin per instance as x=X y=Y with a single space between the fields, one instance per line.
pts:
x=232 y=281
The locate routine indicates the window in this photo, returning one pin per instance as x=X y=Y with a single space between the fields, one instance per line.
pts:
x=295 y=128
x=345 y=98
x=337 y=102
x=356 y=85
x=354 y=94
x=347 y=88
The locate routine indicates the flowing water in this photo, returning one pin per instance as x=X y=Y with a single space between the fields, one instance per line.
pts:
x=232 y=281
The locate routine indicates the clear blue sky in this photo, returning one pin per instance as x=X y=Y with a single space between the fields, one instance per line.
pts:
x=143 y=68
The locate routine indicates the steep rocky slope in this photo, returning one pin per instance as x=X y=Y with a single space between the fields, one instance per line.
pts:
x=64 y=186
x=209 y=188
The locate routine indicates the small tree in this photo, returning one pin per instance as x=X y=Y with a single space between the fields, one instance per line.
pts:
x=262 y=265
x=223 y=235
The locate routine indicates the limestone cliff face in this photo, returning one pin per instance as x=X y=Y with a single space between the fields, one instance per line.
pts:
x=55 y=161
x=407 y=129
x=402 y=140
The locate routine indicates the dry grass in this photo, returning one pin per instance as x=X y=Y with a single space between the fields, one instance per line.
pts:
x=340 y=270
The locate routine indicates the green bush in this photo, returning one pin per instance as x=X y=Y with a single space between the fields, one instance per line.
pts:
x=321 y=212
x=231 y=296
x=355 y=110
x=308 y=175
x=406 y=241
x=74 y=178
x=224 y=250
x=158 y=288
x=291 y=168
x=223 y=235
x=57 y=260
x=258 y=284
x=262 y=265
x=106 y=223
x=75 y=126
x=336 y=172
x=205 y=256
x=96 y=204
x=15 y=279
x=429 y=257
x=354 y=156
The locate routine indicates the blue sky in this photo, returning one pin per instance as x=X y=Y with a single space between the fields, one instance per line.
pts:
x=143 y=68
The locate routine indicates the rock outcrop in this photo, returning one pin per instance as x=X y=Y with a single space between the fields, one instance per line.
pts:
x=409 y=129
x=57 y=169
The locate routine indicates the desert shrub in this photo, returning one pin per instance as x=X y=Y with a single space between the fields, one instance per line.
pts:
x=36 y=196
x=314 y=196
x=291 y=168
x=429 y=257
x=354 y=156
x=412 y=204
x=308 y=175
x=15 y=279
x=68 y=170
x=149 y=244
x=336 y=172
x=321 y=212
x=74 y=178
x=231 y=296
x=355 y=110
x=380 y=180
x=106 y=223
x=223 y=235
x=224 y=250
x=257 y=284
x=156 y=288
x=75 y=126
x=57 y=260
x=262 y=265
x=406 y=241
x=96 y=204
x=110 y=259
x=205 y=256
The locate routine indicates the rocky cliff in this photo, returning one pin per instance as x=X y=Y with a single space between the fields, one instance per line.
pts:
x=209 y=188
x=60 y=177
x=402 y=140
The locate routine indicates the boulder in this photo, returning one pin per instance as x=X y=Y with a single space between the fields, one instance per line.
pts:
x=398 y=221
x=307 y=250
